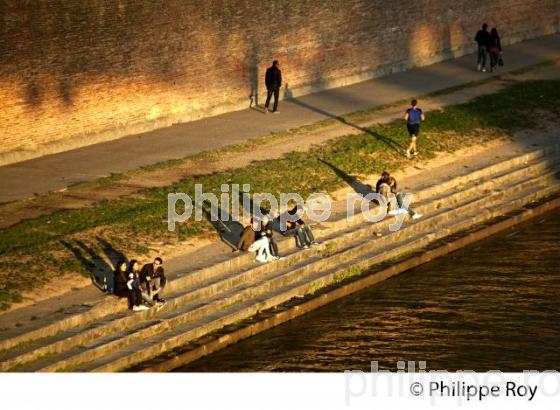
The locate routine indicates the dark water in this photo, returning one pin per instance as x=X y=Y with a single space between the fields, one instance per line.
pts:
x=493 y=305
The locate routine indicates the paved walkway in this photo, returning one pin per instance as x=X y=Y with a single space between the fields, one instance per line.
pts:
x=53 y=172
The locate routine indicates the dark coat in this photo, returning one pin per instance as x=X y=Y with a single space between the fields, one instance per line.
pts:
x=494 y=44
x=482 y=38
x=148 y=271
x=120 y=282
x=273 y=77
x=392 y=182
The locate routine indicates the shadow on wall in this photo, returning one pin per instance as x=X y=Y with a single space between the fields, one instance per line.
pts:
x=254 y=76
x=85 y=43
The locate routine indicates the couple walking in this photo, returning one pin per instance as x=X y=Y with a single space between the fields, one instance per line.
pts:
x=488 y=44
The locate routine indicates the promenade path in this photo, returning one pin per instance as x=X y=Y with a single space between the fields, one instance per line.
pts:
x=54 y=172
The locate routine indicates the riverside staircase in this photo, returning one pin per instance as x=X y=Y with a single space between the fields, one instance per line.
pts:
x=204 y=302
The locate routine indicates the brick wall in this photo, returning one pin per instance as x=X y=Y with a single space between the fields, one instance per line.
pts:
x=75 y=72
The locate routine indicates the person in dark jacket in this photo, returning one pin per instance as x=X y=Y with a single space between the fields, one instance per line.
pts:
x=134 y=287
x=153 y=279
x=482 y=38
x=494 y=48
x=273 y=82
x=299 y=229
x=121 y=277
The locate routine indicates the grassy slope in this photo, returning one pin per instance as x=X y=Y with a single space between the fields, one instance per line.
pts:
x=66 y=241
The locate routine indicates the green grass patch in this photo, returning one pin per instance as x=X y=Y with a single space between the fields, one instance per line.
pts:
x=33 y=251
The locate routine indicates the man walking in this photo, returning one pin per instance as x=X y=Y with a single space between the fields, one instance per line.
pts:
x=413 y=117
x=273 y=82
x=482 y=38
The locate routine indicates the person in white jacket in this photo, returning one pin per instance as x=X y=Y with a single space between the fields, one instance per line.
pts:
x=261 y=246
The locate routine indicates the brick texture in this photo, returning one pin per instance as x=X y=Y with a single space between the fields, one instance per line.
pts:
x=75 y=72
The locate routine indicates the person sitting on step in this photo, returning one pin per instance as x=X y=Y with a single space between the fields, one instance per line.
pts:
x=298 y=228
x=121 y=277
x=153 y=279
x=246 y=239
x=134 y=287
x=250 y=241
x=388 y=184
x=266 y=230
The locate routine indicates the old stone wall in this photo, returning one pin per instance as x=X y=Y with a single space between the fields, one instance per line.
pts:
x=75 y=72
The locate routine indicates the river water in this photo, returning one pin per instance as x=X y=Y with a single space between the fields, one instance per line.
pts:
x=492 y=305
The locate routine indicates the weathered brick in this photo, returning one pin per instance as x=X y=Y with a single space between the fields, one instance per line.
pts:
x=76 y=72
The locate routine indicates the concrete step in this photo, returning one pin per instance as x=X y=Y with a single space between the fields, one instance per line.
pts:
x=187 y=332
x=74 y=337
x=353 y=251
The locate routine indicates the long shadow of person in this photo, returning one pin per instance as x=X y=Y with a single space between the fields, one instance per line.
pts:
x=351 y=180
x=101 y=272
x=394 y=145
x=113 y=254
x=229 y=230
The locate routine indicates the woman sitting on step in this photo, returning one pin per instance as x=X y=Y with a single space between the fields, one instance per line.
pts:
x=121 y=277
x=266 y=231
x=134 y=287
x=249 y=242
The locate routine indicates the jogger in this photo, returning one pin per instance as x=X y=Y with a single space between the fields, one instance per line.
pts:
x=413 y=117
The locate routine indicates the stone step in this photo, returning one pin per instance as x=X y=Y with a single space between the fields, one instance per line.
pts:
x=161 y=343
x=339 y=222
x=101 y=328
x=215 y=341
x=352 y=252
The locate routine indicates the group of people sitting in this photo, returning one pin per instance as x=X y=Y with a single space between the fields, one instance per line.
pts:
x=143 y=286
x=258 y=236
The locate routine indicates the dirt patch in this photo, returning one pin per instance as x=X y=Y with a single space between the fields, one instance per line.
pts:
x=228 y=158
x=193 y=246
x=69 y=240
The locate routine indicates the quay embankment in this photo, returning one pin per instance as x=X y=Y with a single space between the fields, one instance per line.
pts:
x=489 y=152
x=213 y=307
